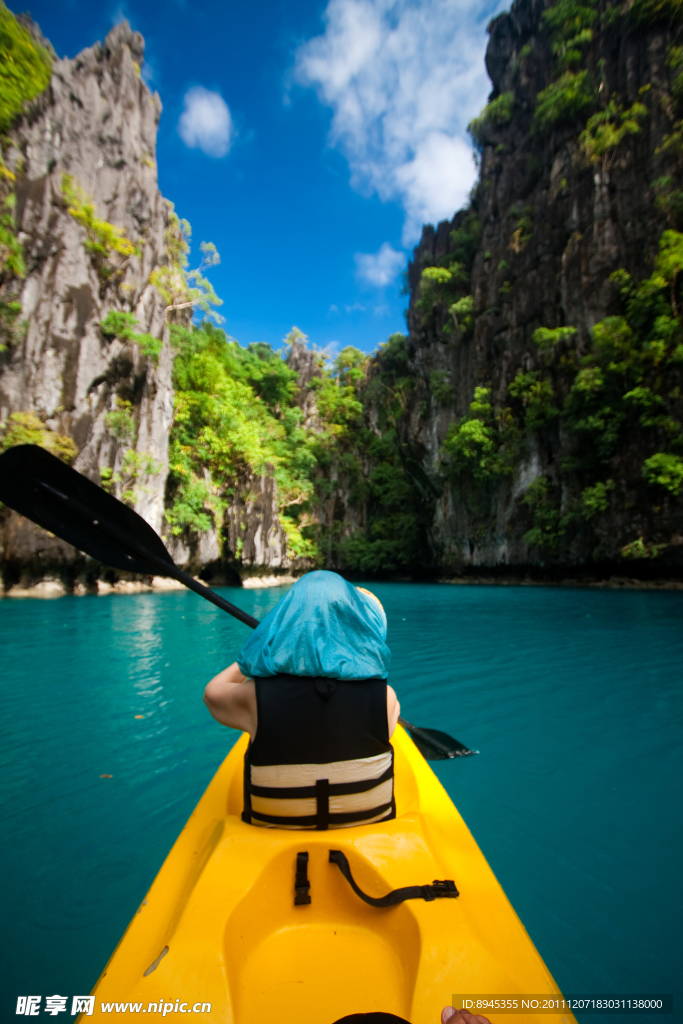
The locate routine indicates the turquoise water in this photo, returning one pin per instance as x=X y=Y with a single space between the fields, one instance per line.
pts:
x=573 y=698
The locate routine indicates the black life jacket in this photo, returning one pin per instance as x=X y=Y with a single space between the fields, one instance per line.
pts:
x=321 y=757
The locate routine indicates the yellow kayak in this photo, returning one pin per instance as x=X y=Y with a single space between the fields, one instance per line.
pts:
x=219 y=925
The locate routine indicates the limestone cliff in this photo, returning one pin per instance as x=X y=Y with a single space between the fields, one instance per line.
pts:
x=548 y=227
x=96 y=123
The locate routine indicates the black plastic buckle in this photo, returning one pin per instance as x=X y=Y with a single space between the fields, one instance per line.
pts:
x=444 y=890
x=301 y=883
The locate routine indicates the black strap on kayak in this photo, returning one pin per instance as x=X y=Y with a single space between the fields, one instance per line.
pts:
x=301 y=883
x=437 y=890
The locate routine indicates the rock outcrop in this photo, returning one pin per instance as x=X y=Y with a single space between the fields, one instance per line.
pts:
x=553 y=228
x=97 y=123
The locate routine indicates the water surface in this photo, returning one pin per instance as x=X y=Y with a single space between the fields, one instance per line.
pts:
x=573 y=698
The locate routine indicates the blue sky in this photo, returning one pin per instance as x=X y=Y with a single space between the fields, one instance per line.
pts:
x=308 y=141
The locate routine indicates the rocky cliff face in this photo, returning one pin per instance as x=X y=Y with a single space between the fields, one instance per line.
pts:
x=96 y=122
x=73 y=375
x=550 y=227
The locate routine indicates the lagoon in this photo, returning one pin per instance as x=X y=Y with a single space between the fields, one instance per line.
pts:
x=572 y=696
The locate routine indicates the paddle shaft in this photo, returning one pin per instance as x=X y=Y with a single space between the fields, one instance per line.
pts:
x=192 y=584
x=163 y=567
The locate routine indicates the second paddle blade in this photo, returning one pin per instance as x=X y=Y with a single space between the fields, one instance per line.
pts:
x=445 y=746
x=39 y=486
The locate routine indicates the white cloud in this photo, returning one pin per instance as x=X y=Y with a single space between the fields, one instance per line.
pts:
x=330 y=351
x=205 y=123
x=379 y=268
x=403 y=78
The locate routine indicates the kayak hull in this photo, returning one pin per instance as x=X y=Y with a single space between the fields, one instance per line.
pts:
x=219 y=925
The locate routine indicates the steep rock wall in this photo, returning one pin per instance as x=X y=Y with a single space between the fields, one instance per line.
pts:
x=583 y=223
x=97 y=121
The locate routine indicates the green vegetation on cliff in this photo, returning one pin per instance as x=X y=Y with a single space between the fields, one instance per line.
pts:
x=117 y=324
x=25 y=70
x=627 y=388
x=235 y=418
x=26 y=428
x=344 y=489
x=25 y=67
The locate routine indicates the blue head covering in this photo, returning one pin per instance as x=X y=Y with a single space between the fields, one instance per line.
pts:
x=322 y=627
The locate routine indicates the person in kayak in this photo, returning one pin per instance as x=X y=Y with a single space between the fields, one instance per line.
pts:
x=310 y=688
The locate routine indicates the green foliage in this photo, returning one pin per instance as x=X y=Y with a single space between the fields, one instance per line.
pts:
x=462 y=312
x=11 y=252
x=595 y=499
x=25 y=67
x=26 y=428
x=668 y=265
x=650 y=12
x=564 y=100
x=524 y=229
x=606 y=129
x=669 y=198
x=435 y=276
x=549 y=525
x=537 y=399
x=9 y=314
x=674 y=60
x=638 y=548
x=179 y=287
x=120 y=423
x=496 y=113
x=192 y=507
x=440 y=386
x=546 y=338
x=586 y=409
x=337 y=402
x=439 y=286
x=118 y=324
x=102 y=238
x=388 y=489
x=572 y=93
x=624 y=390
x=126 y=483
x=665 y=470
x=480 y=445
x=571 y=23
x=235 y=414
x=465 y=239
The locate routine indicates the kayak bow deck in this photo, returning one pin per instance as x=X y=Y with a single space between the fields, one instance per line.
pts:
x=219 y=924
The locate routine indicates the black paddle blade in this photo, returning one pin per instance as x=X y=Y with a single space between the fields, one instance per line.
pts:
x=39 y=486
x=435 y=745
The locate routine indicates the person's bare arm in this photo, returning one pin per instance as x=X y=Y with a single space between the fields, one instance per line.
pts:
x=393 y=709
x=231 y=699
